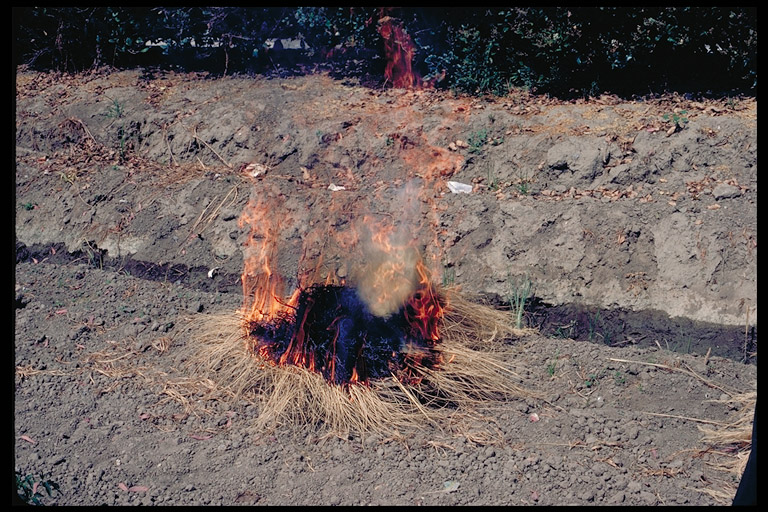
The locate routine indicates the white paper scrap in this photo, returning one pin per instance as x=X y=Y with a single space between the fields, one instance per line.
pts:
x=459 y=188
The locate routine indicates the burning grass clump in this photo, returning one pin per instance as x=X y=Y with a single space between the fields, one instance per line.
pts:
x=333 y=332
x=332 y=364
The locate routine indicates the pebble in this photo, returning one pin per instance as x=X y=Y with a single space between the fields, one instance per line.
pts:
x=725 y=191
x=599 y=468
x=617 y=498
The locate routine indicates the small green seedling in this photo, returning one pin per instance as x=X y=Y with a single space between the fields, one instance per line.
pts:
x=678 y=118
x=519 y=292
x=116 y=110
x=477 y=140
x=28 y=488
x=449 y=276
x=552 y=366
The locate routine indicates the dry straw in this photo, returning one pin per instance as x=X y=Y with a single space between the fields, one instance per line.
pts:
x=475 y=345
x=735 y=436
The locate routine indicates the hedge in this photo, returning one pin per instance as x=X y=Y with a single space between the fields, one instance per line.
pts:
x=562 y=51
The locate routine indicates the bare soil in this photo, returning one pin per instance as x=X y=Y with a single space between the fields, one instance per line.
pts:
x=640 y=239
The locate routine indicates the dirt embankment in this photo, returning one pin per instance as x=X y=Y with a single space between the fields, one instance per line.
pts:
x=597 y=203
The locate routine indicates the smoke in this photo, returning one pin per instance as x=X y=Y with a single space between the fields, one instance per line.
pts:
x=387 y=276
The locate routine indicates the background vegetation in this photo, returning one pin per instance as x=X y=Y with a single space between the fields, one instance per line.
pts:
x=575 y=51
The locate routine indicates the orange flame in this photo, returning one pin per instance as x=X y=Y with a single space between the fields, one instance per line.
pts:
x=262 y=288
x=398 y=50
x=425 y=311
x=393 y=277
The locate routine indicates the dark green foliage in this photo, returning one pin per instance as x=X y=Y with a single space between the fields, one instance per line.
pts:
x=576 y=51
x=31 y=493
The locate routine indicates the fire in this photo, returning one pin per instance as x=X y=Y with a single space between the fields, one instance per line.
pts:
x=398 y=50
x=262 y=289
x=388 y=323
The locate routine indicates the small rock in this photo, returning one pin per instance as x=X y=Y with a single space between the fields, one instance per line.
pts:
x=228 y=214
x=725 y=191
x=617 y=498
x=634 y=487
x=76 y=334
x=599 y=468
x=196 y=307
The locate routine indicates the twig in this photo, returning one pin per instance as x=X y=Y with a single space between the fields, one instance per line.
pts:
x=82 y=125
x=671 y=368
x=194 y=134
x=213 y=214
x=719 y=423
x=168 y=144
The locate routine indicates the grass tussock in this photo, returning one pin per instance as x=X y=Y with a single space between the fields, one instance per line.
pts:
x=217 y=352
x=734 y=440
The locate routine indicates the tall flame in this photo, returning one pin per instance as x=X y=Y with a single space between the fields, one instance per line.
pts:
x=262 y=288
x=399 y=51
x=346 y=334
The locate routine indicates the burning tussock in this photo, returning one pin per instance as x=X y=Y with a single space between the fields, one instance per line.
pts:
x=472 y=374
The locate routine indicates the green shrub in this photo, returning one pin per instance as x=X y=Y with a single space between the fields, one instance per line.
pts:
x=564 y=51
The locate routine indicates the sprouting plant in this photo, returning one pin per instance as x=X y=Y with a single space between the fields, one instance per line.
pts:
x=678 y=118
x=116 y=110
x=28 y=488
x=552 y=366
x=28 y=206
x=523 y=188
x=591 y=380
x=519 y=292
x=390 y=141
x=593 y=324
x=619 y=378
x=493 y=180
x=449 y=276
x=477 y=140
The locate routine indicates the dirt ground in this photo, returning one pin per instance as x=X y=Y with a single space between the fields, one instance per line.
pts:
x=639 y=237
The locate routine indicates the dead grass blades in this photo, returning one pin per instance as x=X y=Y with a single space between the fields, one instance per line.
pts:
x=473 y=376
x=730 y=442
x=733 y=440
